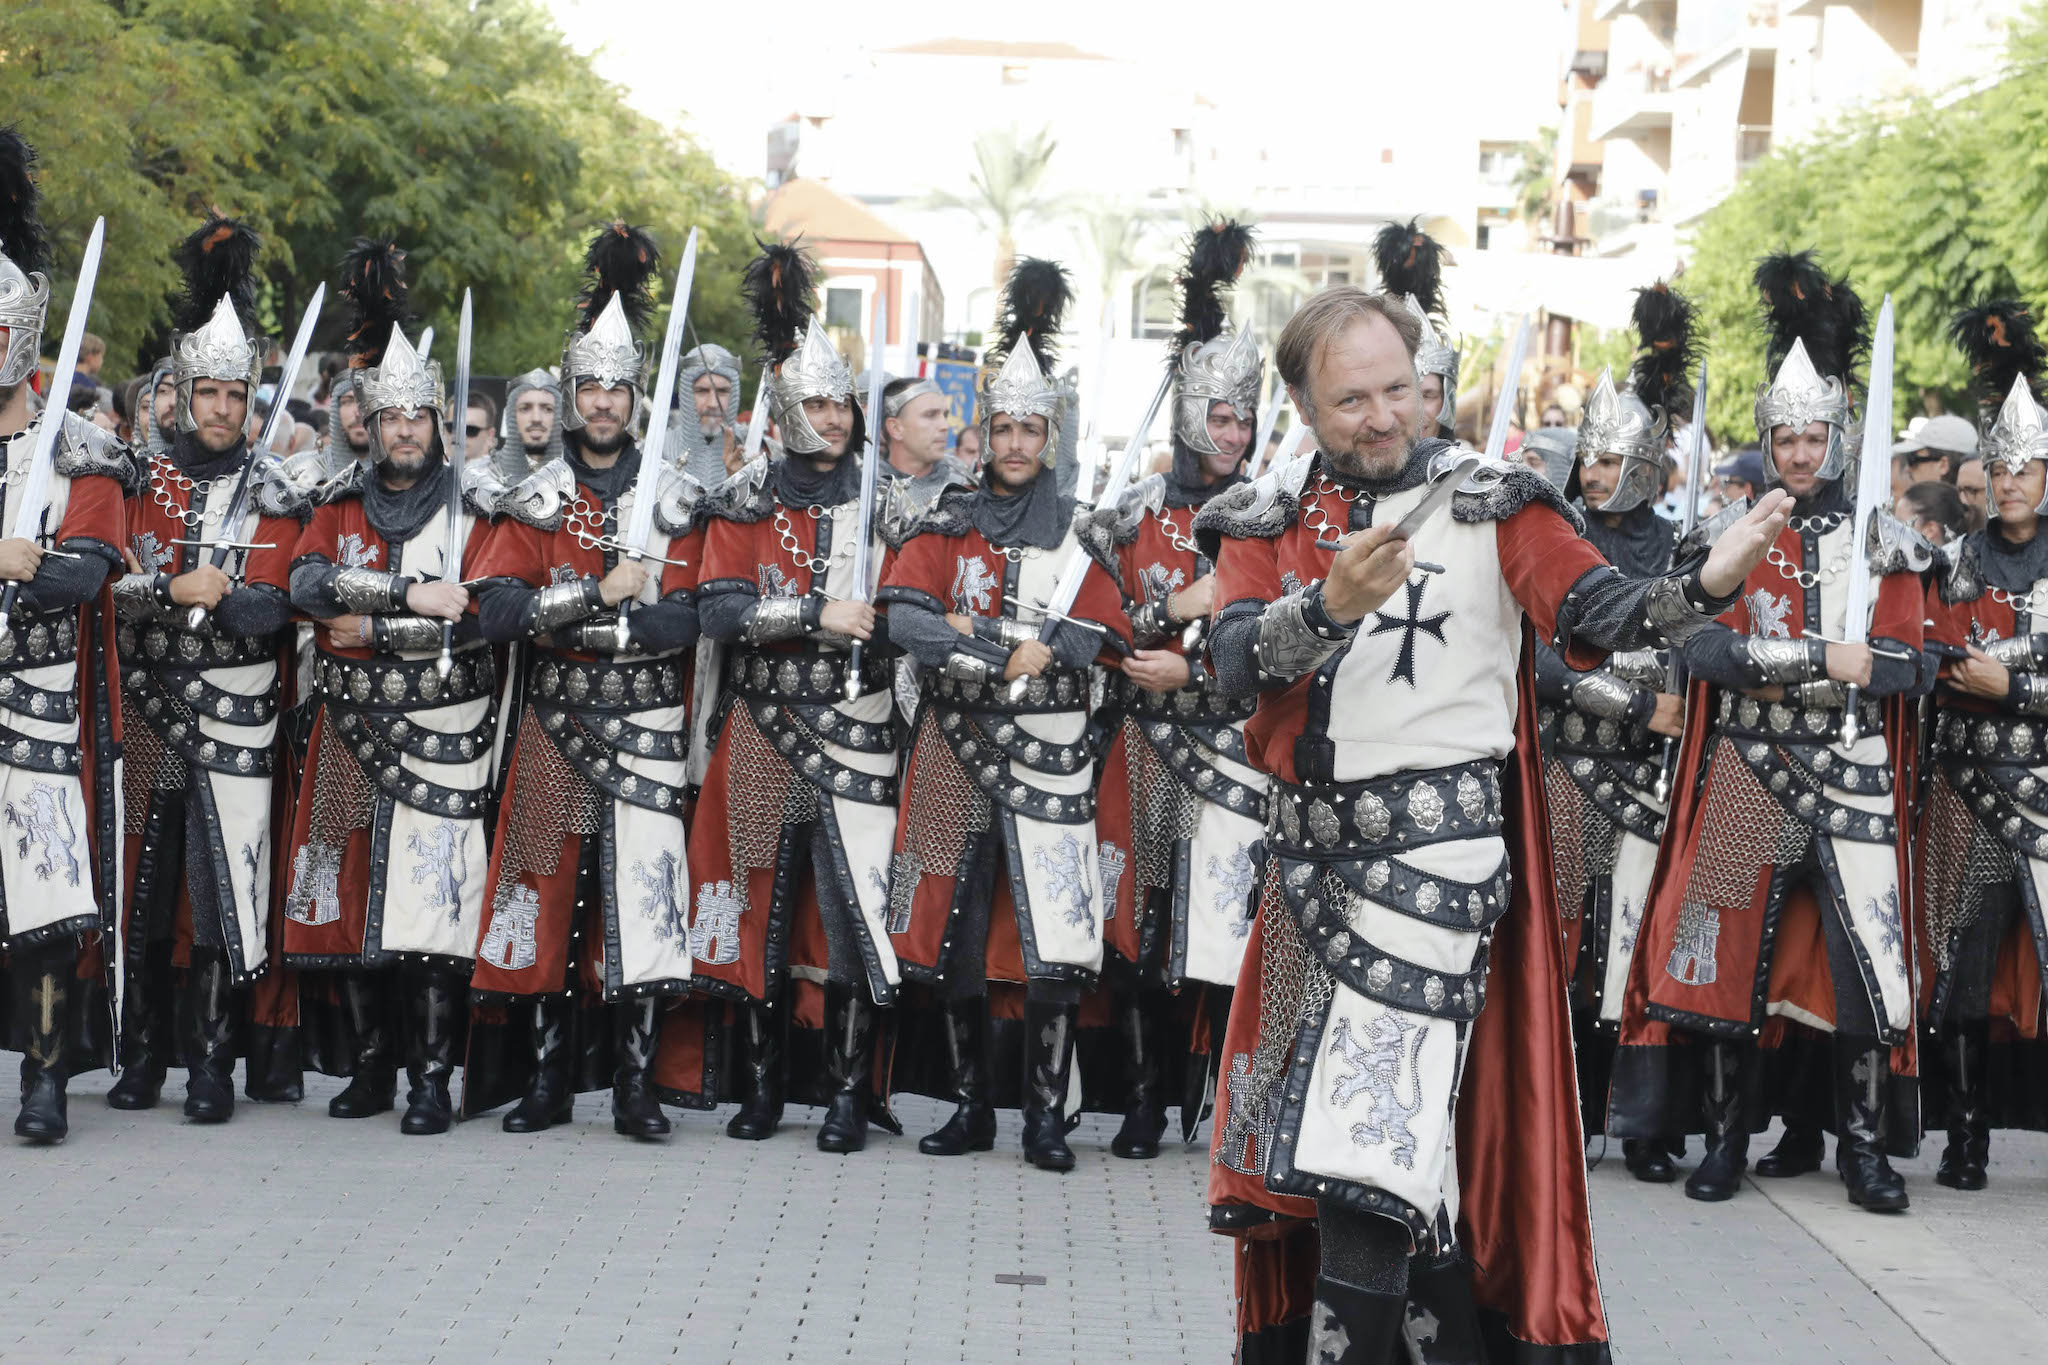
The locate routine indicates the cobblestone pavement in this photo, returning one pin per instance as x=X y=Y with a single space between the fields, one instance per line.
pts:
x=291 y=1236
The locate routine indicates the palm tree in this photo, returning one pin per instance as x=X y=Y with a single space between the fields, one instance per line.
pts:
x=1007 y=189
x=1536 y=178
x=1115 y=237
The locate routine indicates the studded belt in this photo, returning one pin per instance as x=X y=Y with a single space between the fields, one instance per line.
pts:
x=39 y=755
x=611 y=685
x=1199 y=700
x=32 y=642
x=177 y=722
x=159 y=645
x=1327 y=928
x=40 y=703
x=575 y=735
x=1992 y=740
x=385 y=683
x=1574 y=732
x=1390 y=814
x=984 y=751
x=377 y=739
x=797 y=732
x=1614 y=783
x=1784 y=724
x=1189 y=751
x=799 y=676
x=1057 y=689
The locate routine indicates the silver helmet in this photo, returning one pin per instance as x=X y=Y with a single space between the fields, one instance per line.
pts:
x=1817 y=330
x=1559 y=448
x=401 y=381
x=24 y=257
x=779 y=285
x=1633 y=422
x=1034 y=302
x=815 y=369
x=212 y=341
x=1411 y=266
x=604 y=349
x=533 y=381
x=1212 y=362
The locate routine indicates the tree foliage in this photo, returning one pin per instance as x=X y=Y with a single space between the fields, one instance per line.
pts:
x=469 y=132
x=1943 y=203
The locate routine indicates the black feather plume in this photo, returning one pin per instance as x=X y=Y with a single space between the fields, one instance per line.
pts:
x=22 y=238
x=1217 y=254
x=1412 y=262
x=1800 y=303
x=373 y=285
x=1667 y=350
x=778 y=285
x=1999 y=341
x=621 y=262
x=1033 y=302
x=219 y=260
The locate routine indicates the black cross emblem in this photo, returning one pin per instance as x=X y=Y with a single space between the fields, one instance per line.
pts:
x=1404 y=662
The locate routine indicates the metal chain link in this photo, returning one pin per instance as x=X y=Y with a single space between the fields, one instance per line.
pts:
x=586 y=523
x=164 y=475
x=1806 y=578
x=1173 y=536
x=1312 y=514
x=786 y=533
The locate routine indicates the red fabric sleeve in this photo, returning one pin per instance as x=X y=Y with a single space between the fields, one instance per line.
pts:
x=513 y=549
x=95 y=510
x=688 y=554
x=729 y=552
x=1901 y=610
x=918 y=566
x=1100 y=601
x=273 y=567
x=1246 y=568
x=318 y=537
x=1541 y=556
x=1946 y=624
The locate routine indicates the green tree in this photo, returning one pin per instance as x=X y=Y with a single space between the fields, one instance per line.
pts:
x=1536 y=176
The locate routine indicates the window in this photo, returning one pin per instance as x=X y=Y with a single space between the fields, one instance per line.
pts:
x=1183 y=141
x=1338 y=277
x=1155 y=310
x=842 y=308
x=1485 y=236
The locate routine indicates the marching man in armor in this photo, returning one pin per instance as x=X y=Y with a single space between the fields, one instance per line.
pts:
x=1781 y=889
x=793 y=826
x=1600 y=729
x=588 y=880
x=388 y=852
x=529 y=436
x=996 y=876
x=1406 y=948
x=1180 y=811
x=708 y=387
x=59 y=878
x=201 y=618
x=1984 y=831
x=1411 y=265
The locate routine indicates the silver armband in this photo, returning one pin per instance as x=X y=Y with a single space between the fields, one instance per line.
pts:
x=774 y=618
x=1011 y=632
x=1670 y=613
x=398 y=633
x=590 y=636
x=135 y=595
x=1150 y=624
x=1645 y=666
x=965 y=667
x=2026 y=698
x=1603 y=695
x=368 y=591
x=2017 y=654
x=1786 y=661
x=558 y=604
x=1288 y=645
x=1824 y=695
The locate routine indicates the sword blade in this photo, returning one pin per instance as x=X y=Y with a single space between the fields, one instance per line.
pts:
x=289 y=375
x=1695 y=455
x=1504 y=406
x=1440 y=492
x=871 y=467
x=1873 y=477
x=757 y=420
x=654 y=453
x=35 y=494
x=458 y=399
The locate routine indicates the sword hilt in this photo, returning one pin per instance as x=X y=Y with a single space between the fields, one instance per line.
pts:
x=447 y=660
x=853 y=673
x=1662 y=789
x=7 y=600
x=195 y=618
x=1851 y=729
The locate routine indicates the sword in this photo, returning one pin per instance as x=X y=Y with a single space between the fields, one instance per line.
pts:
x=288 y=376
x=1674 y=668
x=426 y=342
x=870 y=473
x=1504 y=406
x=451 y=556
x=641 y=525
x=757 y=421
x=1269 y=419
x=35 y=488
x=1441 y=491
x=1873 y=490
x=1071 y=577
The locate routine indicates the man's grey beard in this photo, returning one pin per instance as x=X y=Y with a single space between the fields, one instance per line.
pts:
x=1358 y=466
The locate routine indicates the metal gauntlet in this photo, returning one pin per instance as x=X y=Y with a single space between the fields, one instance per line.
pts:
x=141 y=595
x=773 y=618
x=1645 y=666
x=1150 y=624
x=398 y=633
x=598 y=636
x=2029 y=695
x=1787 y=661
x=1603 y=695
x=369 y=591
x=1293 y=641
x=2017 y=654
x=1003 y=630
x=1823 y=695
x=558 y=604
x=966 y=667
x=1671 y=611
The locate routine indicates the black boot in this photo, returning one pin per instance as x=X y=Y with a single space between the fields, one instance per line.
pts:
x=1353 y=1326
x=375 y=1080
x=1808 y=1096
x=635 y=1110
x=210 y=1074
x=548 y=1099
x=850 y=1023
x=1048 y=1052
x=1964 y=1045
x=973 y=1125
x=1443 y=1318
x=42 y=997
x=1647 y=1160
x=761 y=1111
x=1144 y=1107
x=434 y=1006
x=1719 y=1174
x=1863 y=1079
x=1798 y=1152
x=145 y=1040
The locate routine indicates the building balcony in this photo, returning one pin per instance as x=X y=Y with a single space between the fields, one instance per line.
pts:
x=1751 y=33
x=1603 y=10
x=1632 y=105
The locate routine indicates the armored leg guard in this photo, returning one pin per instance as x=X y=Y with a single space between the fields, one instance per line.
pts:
x=1862 y=1090
x=635 y=1111
x=1145 y=1108
x=42 y=998
x=548 y=1099
x=371 y=1089
x=1964 y=1045
x=1049 y=1052
x=973 y=1125
x=1719 y=1174
x=761 y=1112
x=433 y=1007
x=210 y=1079
x=850 y=1022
